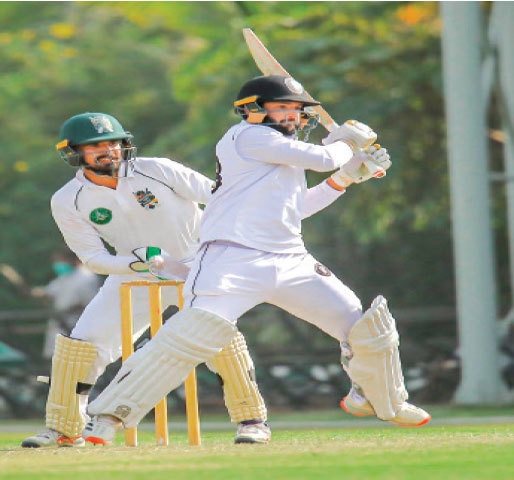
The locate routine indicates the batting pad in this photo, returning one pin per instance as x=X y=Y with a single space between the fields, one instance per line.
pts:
x=188 y=338
x=375 y=365
x=71 y=363
x=235 y=367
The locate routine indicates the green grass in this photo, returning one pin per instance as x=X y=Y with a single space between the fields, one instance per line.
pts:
x=356 y=450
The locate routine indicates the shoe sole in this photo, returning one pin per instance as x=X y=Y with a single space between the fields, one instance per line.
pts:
x=58 y=443
x=97 y=441
x=32 y=445
x=238 y=441
x=360 y=413
x=414 y=425
x=68 y=443
x=356 y=413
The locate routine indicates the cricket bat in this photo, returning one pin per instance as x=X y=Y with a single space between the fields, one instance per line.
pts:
x=269 y=65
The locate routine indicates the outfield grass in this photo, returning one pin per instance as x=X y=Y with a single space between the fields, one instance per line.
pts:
x=359 y=450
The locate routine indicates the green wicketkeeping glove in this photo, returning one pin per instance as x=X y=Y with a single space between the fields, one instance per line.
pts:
x=147 y=258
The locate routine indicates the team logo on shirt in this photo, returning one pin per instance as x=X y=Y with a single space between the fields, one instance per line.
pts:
x=146 y=199
x=320 y=269
x=100 y=216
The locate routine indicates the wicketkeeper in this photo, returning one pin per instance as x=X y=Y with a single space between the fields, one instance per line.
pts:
x=147 y=210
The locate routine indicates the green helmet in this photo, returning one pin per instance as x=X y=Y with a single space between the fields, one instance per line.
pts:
x=87 y=128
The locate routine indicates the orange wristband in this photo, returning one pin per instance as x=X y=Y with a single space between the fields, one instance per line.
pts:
x=334 y=185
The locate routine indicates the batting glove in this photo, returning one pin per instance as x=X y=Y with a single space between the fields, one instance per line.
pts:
x=378 y=156
x=356 y=134
x=370 y=163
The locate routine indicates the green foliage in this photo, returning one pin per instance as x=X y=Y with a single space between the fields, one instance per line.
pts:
x=170 y=70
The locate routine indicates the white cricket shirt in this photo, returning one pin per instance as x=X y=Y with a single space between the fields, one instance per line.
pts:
x=156 y=205
x=262 y=197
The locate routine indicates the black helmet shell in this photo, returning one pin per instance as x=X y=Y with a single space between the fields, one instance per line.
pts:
x=271 y=88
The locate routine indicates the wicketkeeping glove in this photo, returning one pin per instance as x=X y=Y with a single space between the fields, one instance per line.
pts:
x=370 y=163
x=158 y=263
x=148 y=259
x=354 y=133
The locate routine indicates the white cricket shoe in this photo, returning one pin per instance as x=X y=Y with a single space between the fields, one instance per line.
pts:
x=408 y=416
x=253 y=431
x=411 y=416
x=101 y=429
x=52 y=438
x=357 y=405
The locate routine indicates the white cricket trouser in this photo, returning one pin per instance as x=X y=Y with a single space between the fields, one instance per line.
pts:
x=100 y=323
x=229 y=279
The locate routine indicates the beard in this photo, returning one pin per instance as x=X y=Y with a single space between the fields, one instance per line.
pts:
x=102 y=170
x=285 y=128
x=110 y=169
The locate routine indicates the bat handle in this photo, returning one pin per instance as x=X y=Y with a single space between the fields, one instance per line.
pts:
x=375 y=170
x=331 y=126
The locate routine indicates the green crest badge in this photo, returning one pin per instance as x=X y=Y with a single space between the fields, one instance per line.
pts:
x=100 y=216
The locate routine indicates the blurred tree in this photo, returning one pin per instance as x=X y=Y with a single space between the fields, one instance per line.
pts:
x=170 y=71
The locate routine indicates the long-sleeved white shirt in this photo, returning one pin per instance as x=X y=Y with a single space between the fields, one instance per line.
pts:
x=263 y=194
x=156 y=205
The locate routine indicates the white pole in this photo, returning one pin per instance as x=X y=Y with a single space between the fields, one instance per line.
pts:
x=504 y=16
x=470 y=204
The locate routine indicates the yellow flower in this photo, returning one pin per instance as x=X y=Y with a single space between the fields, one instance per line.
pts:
x=28 y=34
x=411 y=14
x=63 y=30
x=5 y=38
x=69 y=53
x=47 y=46
x=21 y=166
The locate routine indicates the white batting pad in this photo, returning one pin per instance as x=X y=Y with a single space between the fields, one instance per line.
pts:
x=71 y=363
x=188 y=338
x=236 y=369
x=375 y=366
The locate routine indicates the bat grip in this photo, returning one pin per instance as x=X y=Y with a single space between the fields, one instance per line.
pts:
x=375 y=170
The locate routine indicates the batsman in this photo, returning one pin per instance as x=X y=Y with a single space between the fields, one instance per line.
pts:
x=252 y=252
x=130 y=218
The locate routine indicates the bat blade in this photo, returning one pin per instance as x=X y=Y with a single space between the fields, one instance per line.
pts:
x=269 y=65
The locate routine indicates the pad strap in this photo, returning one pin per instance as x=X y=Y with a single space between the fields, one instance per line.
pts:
x=375 y=366
x=235 y=367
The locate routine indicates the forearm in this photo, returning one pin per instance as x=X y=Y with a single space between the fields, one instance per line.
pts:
x=319 y=197
x=104 y=263
x=107 y=264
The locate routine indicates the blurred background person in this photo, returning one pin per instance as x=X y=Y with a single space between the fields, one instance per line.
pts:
x=73 y=287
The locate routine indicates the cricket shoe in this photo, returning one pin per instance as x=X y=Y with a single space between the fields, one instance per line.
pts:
x=102 y=429
x=357 y=405
x=253 y=431
x=407 y=416
x=52 y=438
